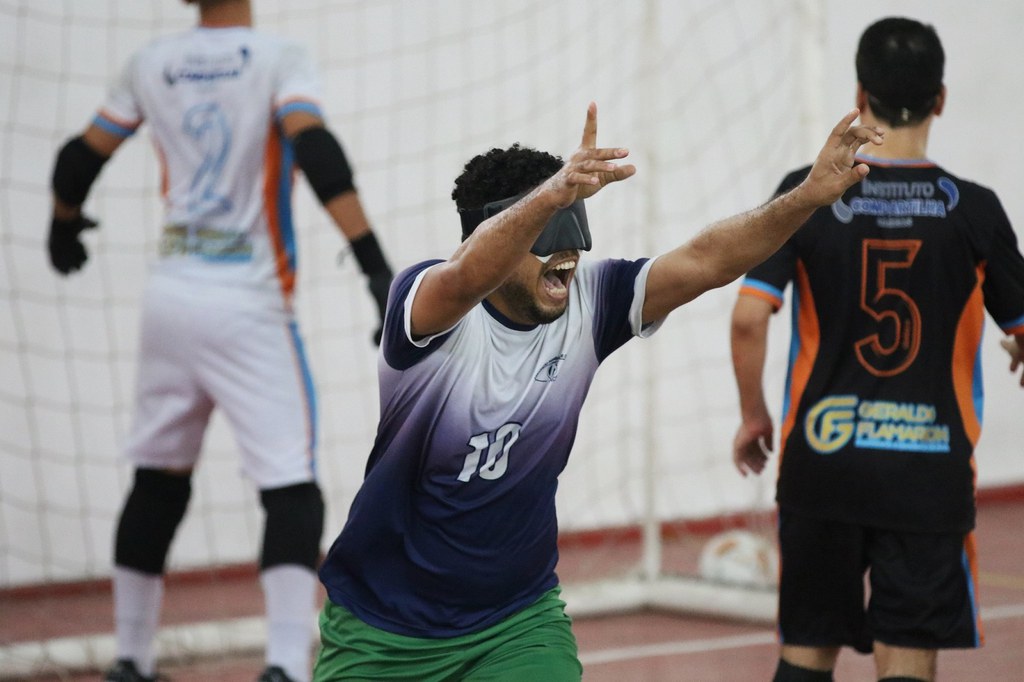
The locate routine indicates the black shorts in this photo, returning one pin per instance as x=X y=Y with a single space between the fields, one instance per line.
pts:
x=921 y=587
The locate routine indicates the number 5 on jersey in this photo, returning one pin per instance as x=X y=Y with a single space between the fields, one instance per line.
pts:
x=497 y=444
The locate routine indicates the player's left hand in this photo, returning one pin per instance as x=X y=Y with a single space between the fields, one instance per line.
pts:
x=1016 y=353
x=67 y=252
x=836 y=170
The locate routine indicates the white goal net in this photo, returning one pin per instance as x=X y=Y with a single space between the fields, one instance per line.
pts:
x=716 y=100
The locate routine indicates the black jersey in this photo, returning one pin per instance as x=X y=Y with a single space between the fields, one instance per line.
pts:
x=883 y=403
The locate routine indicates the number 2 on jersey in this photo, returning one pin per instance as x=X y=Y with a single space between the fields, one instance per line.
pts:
x=208 y=126
x=892 y=309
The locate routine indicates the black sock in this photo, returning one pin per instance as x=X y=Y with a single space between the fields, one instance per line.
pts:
x=787 y=672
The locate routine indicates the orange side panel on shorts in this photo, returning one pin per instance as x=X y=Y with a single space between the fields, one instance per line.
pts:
x=273 y=166
x=809 y=333
x=965 y=352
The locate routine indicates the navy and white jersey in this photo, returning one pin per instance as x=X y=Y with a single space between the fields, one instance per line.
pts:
x=454 y=526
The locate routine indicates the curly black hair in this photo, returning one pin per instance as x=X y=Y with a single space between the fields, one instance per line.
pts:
x=502 y=173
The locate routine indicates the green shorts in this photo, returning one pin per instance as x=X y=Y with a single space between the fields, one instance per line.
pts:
x=534 y=644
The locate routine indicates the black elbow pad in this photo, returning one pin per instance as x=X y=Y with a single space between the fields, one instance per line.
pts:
x=323 y=161
x=76 y=169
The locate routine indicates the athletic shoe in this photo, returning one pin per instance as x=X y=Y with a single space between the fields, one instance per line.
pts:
x=274 y=673
x=125 y=671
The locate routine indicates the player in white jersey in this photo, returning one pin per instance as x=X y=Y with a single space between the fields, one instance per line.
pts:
x=445 y=568
x=231 y=110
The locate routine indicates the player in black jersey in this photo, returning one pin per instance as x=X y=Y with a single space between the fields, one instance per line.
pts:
x=883 y=396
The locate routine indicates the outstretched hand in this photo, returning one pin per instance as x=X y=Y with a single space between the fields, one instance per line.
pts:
x=836 y=170
x=589 y=168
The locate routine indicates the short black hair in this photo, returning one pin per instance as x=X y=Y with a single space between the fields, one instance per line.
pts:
x=502 y=173
x=900 y=64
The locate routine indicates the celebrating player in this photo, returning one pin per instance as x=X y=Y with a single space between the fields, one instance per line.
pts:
x=229 y=109
x=445 y=568
x=883 y=399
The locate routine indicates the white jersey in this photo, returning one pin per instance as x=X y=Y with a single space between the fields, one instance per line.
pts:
x=213 y=98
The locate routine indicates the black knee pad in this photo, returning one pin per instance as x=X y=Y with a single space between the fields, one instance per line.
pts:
x=150 y=517
x=787 y=672
x=295 y=522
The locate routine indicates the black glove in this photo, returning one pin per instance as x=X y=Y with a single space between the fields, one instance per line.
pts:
x=378 y=274
x=379 y=283
x=67 y=252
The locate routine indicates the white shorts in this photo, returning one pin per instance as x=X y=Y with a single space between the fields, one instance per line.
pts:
x=201 y=349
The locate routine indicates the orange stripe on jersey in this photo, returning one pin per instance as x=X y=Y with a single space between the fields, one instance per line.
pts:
x=273 y=167
x=809 y=333
x=971 y=551
x=774 y=301
x=965 y=355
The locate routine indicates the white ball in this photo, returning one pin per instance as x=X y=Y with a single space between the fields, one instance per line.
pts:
x=740 y=557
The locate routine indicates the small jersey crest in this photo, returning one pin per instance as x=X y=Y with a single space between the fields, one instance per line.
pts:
x=549 y=370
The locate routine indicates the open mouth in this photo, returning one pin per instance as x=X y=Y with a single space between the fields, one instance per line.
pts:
x=556 y=279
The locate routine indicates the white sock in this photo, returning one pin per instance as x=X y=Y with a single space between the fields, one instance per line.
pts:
x=138 y=598
x=290 y=592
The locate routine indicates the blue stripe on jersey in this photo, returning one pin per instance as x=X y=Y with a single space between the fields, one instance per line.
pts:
x=977 y=386
x=794 y=352
x=284 y=203
x=299 y=105
x=307 y=382
x=112 y=128
x=1010 y=324
x=763 y=286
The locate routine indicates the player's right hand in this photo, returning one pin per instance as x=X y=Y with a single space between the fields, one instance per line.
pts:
x=589 y=168
x=67 y=252
x=751 y=446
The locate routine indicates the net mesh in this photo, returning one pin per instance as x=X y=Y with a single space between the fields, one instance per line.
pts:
x=700 y=91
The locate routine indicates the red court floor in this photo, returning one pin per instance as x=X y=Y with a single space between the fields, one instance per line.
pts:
x=646 y=646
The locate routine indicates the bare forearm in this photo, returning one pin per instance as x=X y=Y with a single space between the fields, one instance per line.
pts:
x=487 y=259
x=749 y=343
x=722 y=252
x=731 y=247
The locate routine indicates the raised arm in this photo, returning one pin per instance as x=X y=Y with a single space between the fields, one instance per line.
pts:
x=728 y=248
x=487 y=258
